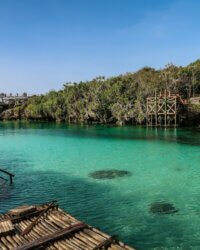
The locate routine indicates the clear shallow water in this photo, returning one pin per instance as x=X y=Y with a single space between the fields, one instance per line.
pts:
x=54 y=162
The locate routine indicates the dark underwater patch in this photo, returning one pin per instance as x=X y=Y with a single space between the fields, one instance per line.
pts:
x=162 y=208
x=109 y=174
x=178 y=169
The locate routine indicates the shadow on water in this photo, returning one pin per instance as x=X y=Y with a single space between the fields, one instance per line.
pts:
x=95 y=203
x=181 y=135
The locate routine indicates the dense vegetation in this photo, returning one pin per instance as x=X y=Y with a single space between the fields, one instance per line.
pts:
x=119 y=100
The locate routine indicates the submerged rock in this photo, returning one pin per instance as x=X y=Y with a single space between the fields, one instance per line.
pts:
x=109 y=174
x=162 y=208
x=179 y=169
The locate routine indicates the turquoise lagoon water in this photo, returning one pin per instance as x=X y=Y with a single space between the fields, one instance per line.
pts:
x=53 y=161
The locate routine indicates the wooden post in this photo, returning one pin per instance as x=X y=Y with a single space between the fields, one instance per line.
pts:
x=10 y=175
x=156 y=109
x=165 y=108
x=147 y=114
x=175 y=118
x=11 y=180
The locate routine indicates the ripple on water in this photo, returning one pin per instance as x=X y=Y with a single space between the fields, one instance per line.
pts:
x=51 y=162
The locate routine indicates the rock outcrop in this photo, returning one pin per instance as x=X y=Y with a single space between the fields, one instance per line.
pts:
x=10 y=114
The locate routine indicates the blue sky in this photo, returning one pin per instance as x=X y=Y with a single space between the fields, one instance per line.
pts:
x=45 y=43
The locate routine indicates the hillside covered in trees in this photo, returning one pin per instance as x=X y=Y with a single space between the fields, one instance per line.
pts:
x=117 y=100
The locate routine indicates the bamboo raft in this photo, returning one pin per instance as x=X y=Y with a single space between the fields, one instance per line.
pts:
x=48 y=227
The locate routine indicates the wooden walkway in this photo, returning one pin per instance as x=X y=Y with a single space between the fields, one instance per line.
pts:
x=48 y=227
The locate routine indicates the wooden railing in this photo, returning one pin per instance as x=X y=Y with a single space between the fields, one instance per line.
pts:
x=9 y=174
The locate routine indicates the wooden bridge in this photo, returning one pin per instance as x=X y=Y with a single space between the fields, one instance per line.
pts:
x=163 y=109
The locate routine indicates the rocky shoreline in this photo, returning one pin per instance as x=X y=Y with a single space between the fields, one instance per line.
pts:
x=191 y=117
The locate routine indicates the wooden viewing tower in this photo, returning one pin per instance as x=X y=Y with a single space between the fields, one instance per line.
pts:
x=162 y=109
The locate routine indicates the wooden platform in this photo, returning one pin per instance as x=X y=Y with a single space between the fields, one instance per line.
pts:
x=48 y=227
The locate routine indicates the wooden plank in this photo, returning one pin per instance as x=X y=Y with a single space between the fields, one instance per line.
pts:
x=6 y=228
x=52 y=237
x=16 y=219
x=104 y=243
x=22 y=210
x=28 y=229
